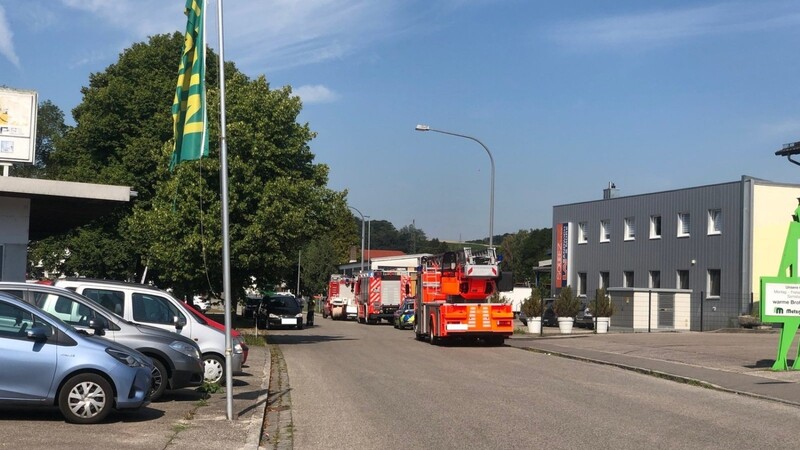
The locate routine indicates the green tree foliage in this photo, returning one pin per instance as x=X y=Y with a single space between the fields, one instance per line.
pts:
x=278 y=197
x=523 y=250
x=50 y=130
x=279 y=201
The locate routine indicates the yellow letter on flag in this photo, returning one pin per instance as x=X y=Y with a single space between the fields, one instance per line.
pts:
x=189 y=105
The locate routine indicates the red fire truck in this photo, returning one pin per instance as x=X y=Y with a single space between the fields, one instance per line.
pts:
x=340 y=304
x=380 y=293
x=452 y=299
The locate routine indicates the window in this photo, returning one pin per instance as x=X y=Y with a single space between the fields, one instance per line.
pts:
x=714 y=221
x=627 y=279
x=654 y=279
x=655 y=227
x=582 y=233
x=603 y=280
x=154 y=309
x=605 y=230
x=683 y=224
x=14 y=321
x=582 y=283
x=113 y=301
x=630 y=228
x=683 y=279
x=713 y=282
x=65 y=308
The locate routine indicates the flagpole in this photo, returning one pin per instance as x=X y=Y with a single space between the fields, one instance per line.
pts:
x=226 y=257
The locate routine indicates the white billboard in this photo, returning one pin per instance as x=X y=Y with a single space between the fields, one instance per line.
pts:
x=17 y=125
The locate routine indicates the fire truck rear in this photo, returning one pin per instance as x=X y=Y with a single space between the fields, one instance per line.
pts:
x=452 y=299
x=380 y=293
x=340 y=297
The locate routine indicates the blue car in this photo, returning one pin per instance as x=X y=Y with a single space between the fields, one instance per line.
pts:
x=49 y=363
x=404 y=316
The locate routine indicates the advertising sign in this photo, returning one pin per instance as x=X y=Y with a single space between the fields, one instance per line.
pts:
x=17 y=125
x=562 y=255
x=780 y=298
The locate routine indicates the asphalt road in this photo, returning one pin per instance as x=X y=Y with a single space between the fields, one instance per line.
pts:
x=365 y=387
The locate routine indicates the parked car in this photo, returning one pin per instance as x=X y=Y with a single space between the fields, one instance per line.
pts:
x=201 y=303
x=236 y=336
x=584 y=318
x=549 y=317
x=279 y=310
x=47 y=362
x=404 y=315
x=251 y=306
x=149 y=305
x=176 y=359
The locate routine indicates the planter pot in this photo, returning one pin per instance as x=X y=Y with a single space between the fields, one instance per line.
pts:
x=602 y=324
x=565 y=324
x=535 y=325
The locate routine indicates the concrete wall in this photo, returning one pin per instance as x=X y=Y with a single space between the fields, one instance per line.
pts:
x=14 y=224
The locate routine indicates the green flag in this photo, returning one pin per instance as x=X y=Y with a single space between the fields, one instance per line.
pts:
x=189 y=105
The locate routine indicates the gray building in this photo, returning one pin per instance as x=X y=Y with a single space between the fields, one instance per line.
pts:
x=710 y=242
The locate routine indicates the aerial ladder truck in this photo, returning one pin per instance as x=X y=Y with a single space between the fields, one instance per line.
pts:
x=453 y=293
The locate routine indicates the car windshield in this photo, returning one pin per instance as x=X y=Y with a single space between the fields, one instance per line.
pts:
x=283 y=302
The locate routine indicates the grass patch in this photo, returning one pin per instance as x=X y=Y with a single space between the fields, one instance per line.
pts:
x=253 y=340
x=210 y=388
x=178 y=427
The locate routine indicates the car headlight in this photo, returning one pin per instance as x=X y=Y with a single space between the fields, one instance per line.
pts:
x=273 y=316
x=128 y=359
x=237 y=347
x=185 y=348
x=299 y=315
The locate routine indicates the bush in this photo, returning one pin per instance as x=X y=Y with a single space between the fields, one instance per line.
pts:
x=601 y=306
x=566 y=305
x=532 y=306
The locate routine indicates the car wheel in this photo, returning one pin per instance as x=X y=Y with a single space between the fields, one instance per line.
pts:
x=159 y=380
x=214 y=368
x=86 y=398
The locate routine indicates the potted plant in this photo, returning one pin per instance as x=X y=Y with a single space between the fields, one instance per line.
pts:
x=602 y=309
x=566 y=307
x=532 y=309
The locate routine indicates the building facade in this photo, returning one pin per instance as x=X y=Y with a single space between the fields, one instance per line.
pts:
x=712 y=242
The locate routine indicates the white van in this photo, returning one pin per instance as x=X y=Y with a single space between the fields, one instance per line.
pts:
x=151 y=306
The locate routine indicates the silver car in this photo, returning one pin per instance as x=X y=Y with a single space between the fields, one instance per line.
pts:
x=176 y=359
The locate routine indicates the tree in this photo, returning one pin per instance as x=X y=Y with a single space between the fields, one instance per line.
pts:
x=50 y=130
x=279 y=201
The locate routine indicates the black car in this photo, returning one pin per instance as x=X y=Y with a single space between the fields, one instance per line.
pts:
x=549 y=318
x=279 y=310
x=250 y=306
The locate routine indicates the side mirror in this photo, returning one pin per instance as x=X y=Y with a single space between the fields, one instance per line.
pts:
x=99 y=325
x=179 y=322
x=39 y=333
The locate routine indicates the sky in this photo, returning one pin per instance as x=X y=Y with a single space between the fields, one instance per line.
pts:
x=566 y=96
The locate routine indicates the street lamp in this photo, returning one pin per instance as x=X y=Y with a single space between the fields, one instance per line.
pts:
x=790 y=150
x=362 y=235
x=491 y=160
x=369 y=241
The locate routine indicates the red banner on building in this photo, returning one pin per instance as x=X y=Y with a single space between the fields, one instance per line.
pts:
x=562 y=254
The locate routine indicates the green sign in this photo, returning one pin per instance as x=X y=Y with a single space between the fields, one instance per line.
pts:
x=780 y=296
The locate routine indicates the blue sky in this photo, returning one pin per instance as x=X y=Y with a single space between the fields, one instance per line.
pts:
x=568 y=96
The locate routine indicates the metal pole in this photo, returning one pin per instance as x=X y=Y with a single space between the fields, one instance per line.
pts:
x=226 y=245
x=369 y=241
x=702 y=295
x=362 y=234
x=491 y=160
x=299 y=253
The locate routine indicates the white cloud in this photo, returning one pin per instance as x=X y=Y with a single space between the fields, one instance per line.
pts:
x=7 y=40
x=316 y=93
x=663 y=27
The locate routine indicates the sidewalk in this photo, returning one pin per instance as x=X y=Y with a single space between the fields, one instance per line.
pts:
x=209 y=428
x=738 y=362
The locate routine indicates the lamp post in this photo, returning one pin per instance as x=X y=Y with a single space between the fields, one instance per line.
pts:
x=491 y=160
x=369 y=242
x=362 y=235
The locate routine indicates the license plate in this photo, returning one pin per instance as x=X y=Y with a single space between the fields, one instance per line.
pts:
x=292 y=321
x=456 y=327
